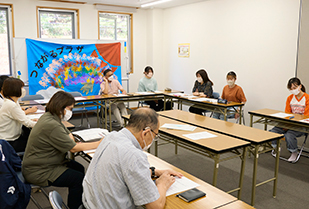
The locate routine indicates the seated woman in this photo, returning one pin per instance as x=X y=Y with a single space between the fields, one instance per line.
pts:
x=296 y=103
x=149 y=83
x=45 y=162
x=14 y=126
x=202 y=88
x=232 y=93
x=28 y=110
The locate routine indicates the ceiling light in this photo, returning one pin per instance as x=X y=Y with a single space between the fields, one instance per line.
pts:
x=154 y=3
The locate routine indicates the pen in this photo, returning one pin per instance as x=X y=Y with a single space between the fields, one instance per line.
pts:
x=291 y=117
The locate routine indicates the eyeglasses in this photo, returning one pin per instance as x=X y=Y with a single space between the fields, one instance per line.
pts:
x=157 y=135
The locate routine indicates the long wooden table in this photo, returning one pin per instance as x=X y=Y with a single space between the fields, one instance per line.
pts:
x=215 y=198
x=256 y=137
x=214 y=107
x=211 y=147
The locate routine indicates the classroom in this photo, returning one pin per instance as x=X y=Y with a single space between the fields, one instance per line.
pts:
x=265 y=42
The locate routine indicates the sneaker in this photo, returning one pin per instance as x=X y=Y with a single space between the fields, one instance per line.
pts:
x=273 y=153
x=293 y=157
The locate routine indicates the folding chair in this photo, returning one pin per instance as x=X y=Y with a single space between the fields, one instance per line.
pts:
x=215 y=95
x=56 y=200
x=81 y=110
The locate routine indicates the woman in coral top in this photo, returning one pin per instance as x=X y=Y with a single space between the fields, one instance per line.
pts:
x=296 y=103
x=232 y=93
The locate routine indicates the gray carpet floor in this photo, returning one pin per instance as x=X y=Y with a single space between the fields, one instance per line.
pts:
x=293 y=181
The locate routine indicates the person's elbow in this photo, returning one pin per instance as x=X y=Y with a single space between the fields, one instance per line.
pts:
x=76 y=148
x=158 y=204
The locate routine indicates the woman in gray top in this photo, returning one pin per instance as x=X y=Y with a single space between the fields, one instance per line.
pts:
x=202 y=88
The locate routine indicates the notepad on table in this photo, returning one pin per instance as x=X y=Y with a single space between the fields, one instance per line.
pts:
x=179 y=127
x=34 y=116
x=91 y=134
x=180 y=185
x=42 y=101
x=40 y=111
x=200 y=135
x=145 y=93
x=79 y=98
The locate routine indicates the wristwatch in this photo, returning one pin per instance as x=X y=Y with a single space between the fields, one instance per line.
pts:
x=153 y=174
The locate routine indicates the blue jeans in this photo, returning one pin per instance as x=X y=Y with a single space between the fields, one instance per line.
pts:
x=220 y=116
x=290 y=138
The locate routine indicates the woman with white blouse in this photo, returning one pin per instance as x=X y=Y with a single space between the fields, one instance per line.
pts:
x=14 y=126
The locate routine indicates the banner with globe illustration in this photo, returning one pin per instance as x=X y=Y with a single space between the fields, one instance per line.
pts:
x=71 y=67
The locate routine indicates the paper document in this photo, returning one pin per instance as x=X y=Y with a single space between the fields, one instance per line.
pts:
x=40 y=111
x=180 y=185
x=34 y=116
x=158 y=92
x=200 y=135
x=79 y=98
x=91 y=134
x=145 y=93
x=42 y=101
x=215 y=101
x=179 y=94
x=305 y=120
x=90 y=151
x=281 y=115
x=120 y=95
x=179 y=127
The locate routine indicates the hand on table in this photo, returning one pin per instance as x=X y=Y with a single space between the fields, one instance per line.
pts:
x=170 y=172
x=165 y=180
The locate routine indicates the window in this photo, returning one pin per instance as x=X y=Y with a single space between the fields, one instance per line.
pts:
x=116 y=26
x=5 y=40
x=59 y=24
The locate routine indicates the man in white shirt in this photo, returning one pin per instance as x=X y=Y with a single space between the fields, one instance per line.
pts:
x=119 y=175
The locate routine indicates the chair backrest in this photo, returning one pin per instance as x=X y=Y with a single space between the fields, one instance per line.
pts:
x=75 y=94
x=55 y=200
x=215 y=95
x=32 y=97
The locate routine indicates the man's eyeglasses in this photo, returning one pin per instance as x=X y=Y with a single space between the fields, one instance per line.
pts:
x=157 y=135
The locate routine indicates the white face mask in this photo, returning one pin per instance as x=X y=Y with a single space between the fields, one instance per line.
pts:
x=149 y=75
x=149 y=145
x=230 y=82
x=68 y=115
x=110 y=78
x=199 y=79
x=23 y=92
x=295 y=91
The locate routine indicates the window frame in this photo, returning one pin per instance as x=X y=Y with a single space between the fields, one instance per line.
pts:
x=11 y=35
x=75 y=13
x=130 y=34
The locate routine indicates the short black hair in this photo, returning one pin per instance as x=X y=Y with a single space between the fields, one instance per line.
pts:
x=231 y=73
x=147 y=69
x=59 y=102
x=142 y=118
x=106 y=71
x=12 y=87
x=2 y=79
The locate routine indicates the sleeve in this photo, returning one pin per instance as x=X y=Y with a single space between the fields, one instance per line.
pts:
x=223 y=93
x=241 y=95
x=307 y=105
x=119 y=85
x=19 y=115
x=60 y=139
x=142 y=188
x=208 y=89
x=288 y=105
x=194 y=87
x=141 y=87
x=155 y=85
x=102 y=85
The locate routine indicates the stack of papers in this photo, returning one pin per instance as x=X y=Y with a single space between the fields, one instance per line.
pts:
x=91 y=134
x=42 y=101
x=305 y=120
x=145 y=93
x=178 y=94
x=281 y=115
x=34 y=116
x=79 y=98
x=179 y=127
x=200 y=135
x=180 y=185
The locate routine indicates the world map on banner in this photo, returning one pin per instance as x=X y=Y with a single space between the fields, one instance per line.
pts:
x=71 y=67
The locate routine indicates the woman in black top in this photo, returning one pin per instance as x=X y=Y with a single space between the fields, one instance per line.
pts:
x=202 y=88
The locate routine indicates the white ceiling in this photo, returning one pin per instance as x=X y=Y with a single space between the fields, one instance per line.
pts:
x=138 y=3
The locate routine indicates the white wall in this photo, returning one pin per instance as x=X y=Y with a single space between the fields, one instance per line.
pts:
x=256 y=39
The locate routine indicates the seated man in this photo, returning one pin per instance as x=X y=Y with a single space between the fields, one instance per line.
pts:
x=112 y=86
x=119 y=175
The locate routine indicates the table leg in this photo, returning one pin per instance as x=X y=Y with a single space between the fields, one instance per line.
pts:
x=240 y=114
x=216 y=167
x=164 y=105
x=225 y=114
x=251 y=120
x=110 y=116
x=156 y=148
x=98 y=117
x=276 y=168
x=176 y=146
x=242 y=171
x=256 y=156
x=105 y=112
